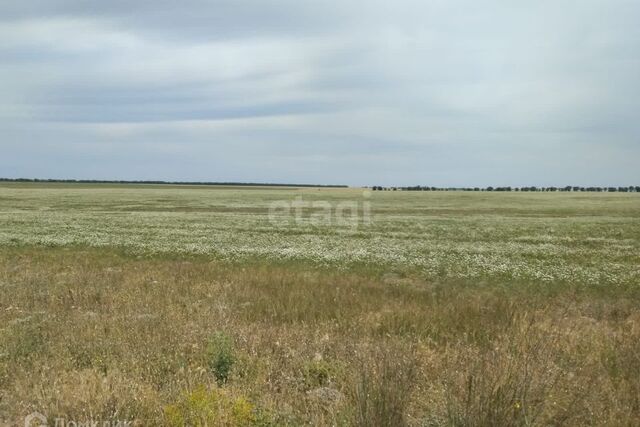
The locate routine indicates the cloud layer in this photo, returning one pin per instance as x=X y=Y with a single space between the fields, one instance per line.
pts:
x=364 y=93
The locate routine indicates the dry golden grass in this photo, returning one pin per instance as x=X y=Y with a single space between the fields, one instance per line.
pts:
x=94 y=334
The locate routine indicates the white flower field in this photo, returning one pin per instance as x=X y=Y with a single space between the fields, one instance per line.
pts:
x=586 y=239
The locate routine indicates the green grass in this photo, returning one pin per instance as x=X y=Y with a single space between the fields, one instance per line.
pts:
x=172 y=306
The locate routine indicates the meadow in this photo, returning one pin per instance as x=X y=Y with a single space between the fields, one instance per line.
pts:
x=179 y=305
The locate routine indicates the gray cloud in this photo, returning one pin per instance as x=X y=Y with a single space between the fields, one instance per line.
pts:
x=408 y=92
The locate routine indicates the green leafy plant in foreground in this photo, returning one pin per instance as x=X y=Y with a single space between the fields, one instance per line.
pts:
x=221 y=357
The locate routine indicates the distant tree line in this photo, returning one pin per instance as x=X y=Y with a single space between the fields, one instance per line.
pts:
x=97 y=181
x=568 y=188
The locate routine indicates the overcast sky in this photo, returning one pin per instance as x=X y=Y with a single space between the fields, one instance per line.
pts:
x=458 y=93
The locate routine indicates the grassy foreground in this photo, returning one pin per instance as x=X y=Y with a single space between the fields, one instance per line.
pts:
x=146 y=328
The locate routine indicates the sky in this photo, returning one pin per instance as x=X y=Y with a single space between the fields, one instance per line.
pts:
x=403 y=92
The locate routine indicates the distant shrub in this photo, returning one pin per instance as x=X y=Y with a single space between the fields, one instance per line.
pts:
x=221 y=357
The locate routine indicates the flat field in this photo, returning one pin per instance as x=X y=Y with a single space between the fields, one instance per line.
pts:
x=186 y=305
